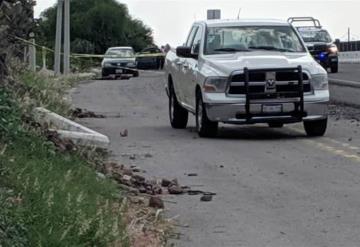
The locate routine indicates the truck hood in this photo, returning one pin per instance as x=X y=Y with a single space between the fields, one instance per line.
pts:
x=225 y=64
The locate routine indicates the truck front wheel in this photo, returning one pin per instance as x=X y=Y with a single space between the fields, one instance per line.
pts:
x=315 y=128
x=334 y=67
x=204 y=126
x=178 y=115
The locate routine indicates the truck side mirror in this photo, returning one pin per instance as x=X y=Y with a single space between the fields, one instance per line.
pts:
x=183 y=51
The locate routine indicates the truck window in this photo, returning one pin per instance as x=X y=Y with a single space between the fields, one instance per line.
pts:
x=191 y=36
x=195 y=47
x=249 y=38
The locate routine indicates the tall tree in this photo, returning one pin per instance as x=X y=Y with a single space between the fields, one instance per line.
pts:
x=97 y=25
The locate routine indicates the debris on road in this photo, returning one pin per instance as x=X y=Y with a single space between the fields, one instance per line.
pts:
x=206 y=198
x=165 y=183
x=148 y=155
x=80 y=113
x=192 y=174
x=175 y=189
x=124 y=133
x=136 y=184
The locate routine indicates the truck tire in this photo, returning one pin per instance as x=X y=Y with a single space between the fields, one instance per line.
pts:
x=178 y=115
x=276 y=125
x=315 y=128
x=204 y=126
x=334 y=68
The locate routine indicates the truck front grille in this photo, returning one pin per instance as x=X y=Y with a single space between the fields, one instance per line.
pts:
x=285 y=82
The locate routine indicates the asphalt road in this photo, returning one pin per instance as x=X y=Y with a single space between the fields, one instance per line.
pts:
x=347 y=72
x=345 y=85
x=275 y=187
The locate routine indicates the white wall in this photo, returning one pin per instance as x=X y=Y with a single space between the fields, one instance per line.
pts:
x=349 y=57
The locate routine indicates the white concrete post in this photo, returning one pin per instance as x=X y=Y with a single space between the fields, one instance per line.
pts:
x=66 y=37
x=43 y=58
x=32 y=54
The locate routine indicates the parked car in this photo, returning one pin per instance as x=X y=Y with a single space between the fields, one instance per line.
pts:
x=245 y=72
x=319 y=42
x=150 y=58
x=119 y=62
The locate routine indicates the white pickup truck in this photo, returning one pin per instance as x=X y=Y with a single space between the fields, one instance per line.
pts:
x=246 y=72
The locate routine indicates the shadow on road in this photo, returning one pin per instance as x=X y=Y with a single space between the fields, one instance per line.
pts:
x=258 y=133
x=228 y=132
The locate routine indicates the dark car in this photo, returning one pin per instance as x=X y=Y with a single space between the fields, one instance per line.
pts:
x=150 y=58
x=319 y=43
x=119 y=62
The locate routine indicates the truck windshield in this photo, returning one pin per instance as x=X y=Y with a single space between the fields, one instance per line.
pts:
x=121 y=53
x=316 y=36
x=249 y=38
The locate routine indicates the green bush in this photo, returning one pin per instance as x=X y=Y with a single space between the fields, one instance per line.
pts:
x=48 y=198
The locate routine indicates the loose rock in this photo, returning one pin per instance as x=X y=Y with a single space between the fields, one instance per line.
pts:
x=124 y=133
x=165 y=182
x=206 y=198
x=156 y=202
x=175 y=190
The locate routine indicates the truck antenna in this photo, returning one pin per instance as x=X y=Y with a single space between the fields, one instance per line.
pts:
x=238 y=17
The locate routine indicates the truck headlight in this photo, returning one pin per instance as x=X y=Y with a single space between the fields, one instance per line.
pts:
x=107 y=65
x=333 y=49
x=215 y=84
x=320 y=82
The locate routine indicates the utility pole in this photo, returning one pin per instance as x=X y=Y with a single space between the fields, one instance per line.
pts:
x=66 y=37
x=58 y=38
x=32 y=48
x=349 y=39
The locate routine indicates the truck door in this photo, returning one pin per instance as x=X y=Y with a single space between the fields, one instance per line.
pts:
x=191 y=69
x=181 y=70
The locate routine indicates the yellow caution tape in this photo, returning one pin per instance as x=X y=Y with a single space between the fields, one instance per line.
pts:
x=78 y=55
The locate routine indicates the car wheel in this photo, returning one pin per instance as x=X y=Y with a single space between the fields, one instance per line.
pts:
x=315 y=128
x=204 y=126
x=104 y=75
x=334 y=68
x=276 y=125
x=136 y=74
x=178 y=115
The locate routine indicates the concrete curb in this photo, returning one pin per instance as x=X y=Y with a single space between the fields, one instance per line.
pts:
x=66 y=128
x=344 y=83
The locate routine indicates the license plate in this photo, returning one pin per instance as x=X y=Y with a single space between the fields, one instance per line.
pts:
x=118 y=71
x=272 y=108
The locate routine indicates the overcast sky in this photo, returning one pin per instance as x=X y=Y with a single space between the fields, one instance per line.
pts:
x=172 y=19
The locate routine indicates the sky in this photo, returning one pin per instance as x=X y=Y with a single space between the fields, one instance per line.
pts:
x=171 y=19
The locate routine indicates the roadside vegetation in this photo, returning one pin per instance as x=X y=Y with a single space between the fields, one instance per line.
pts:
x=48 y=197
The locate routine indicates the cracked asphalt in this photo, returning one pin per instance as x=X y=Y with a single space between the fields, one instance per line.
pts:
x=274 y=187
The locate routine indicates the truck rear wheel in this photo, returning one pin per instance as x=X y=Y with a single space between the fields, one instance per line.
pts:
x=204 y=126
x=315 y=128
x=178 y=115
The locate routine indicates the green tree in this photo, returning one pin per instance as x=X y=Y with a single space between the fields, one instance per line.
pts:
x=98 y=24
